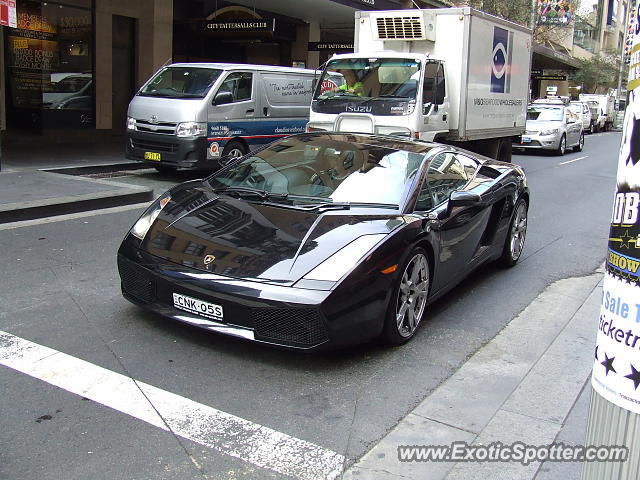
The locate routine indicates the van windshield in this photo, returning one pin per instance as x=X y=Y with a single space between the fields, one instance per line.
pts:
x=181 y=82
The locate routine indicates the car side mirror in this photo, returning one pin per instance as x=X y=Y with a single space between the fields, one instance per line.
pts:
x=462 y=199
x=426 y=108
x=223 y=98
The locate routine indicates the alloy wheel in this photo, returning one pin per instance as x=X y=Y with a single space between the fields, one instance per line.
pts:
x=518 y=230
x=412 y=295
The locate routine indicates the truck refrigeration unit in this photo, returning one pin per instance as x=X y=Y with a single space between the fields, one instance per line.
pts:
x=453 y=75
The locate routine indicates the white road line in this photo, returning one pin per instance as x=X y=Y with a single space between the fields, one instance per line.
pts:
x=573 y=160
x=71 y=216
x=226 y=433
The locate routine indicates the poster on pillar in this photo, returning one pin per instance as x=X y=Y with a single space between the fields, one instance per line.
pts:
x=616 y=369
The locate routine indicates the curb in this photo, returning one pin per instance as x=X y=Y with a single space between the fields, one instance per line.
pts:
x=107 y=194
x=519 y=387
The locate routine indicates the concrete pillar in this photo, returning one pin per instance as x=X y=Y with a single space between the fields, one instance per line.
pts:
x=313 y=58
x=3 y=95
x=154 y=45
x=300 y=46
x=103 y=52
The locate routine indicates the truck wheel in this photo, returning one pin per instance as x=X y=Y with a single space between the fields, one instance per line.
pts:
x=580 y=145
x=562 y=147
x=234 y=149
x=504 y=150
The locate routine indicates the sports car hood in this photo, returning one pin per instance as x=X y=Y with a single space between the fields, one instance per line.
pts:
x=254 y=240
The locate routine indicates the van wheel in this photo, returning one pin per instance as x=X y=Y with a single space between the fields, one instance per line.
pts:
x=234 y=149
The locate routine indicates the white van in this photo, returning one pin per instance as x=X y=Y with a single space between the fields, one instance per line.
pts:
x=198 y=115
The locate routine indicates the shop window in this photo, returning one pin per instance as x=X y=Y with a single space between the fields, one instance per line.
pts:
x=49 y=66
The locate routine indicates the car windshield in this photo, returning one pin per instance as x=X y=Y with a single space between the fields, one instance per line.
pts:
x=71 y=84
x=322 y=169
x=545 y=114
x=181 y=82
x=370 y=78
x=576 y=108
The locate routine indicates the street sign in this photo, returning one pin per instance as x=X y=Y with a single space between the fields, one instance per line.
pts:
x=329 y=46
x=559 y=78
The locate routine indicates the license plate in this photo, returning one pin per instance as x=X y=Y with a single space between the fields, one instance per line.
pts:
x=526 y=139
x=152 y=156
x=199 y=307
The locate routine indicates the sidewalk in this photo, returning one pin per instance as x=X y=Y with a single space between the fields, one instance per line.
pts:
x=39 y=181
x=529 y=384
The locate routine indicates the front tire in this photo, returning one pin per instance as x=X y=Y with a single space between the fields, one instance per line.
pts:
x=580 y=145
x=165 y=169
x=514 y=243
x=409 y=299
x=234 y=149
x=562 y=148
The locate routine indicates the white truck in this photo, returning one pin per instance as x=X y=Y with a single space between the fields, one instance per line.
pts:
x=603 y=108
x=453 y=75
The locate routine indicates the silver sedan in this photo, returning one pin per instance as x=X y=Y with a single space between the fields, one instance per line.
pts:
x=551 y=127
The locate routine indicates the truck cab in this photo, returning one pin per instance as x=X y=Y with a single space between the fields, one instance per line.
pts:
x=387 y=93
x=453 y=75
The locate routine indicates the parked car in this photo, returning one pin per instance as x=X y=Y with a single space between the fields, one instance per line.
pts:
x=324 y=239
x=551 y=126
x=581 y=109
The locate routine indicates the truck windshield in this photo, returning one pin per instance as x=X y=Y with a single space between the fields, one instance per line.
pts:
x=370 y=78
x=181 y=82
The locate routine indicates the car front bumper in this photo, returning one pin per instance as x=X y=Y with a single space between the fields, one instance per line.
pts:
x=543 y=142
x=174 y=152
x=284 y=316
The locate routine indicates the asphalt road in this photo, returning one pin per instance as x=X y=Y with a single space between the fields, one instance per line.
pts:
x=60 y=289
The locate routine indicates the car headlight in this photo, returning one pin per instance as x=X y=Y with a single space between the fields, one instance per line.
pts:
x=549 y=132
x=142 y=226
x=191 y=129
x=338 y=264
x=131 y=123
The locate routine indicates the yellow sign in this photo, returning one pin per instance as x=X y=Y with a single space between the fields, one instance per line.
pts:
x=20 y=43
x=152 y=156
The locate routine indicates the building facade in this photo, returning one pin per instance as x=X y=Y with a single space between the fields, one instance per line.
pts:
x=73 y=65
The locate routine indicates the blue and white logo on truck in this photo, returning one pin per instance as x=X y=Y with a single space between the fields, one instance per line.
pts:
x=501 y=61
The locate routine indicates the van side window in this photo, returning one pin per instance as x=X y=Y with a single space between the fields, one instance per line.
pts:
x=239 y=85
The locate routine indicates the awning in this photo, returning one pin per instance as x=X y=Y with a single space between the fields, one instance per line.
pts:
x=548 y=58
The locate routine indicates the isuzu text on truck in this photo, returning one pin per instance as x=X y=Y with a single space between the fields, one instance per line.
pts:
x=454 y=75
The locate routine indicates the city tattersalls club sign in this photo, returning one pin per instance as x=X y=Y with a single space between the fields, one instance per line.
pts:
x=241 y=25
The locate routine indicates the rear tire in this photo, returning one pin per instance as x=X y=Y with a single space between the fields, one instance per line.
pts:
x=514 y=243
x=409 y=298
x=504 y=150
